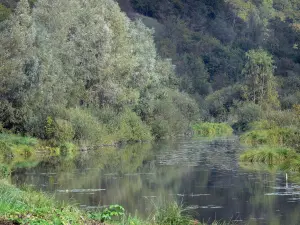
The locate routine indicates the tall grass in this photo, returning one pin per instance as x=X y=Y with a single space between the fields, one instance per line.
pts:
x=212 y=129
x=268 y=155
x=12 y=139
x=171 y=214
x=30 y=207
x=265 y=133
x=285 y=158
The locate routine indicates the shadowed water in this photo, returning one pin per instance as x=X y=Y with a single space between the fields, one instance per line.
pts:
x=204 y=175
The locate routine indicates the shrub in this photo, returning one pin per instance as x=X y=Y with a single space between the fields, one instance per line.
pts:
x=131 y=127
x=247 y=113
x=86 y=126
x=64 y=131
x=212 y=129
x=4 y=171
x=4 y=12
x=67 y=148
x=160 y=128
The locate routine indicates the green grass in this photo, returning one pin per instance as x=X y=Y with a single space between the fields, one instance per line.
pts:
x=172 y=213
x=33 y=208
x=212 y=129
x=268 y=155
x=264 y=133
x=283 y=158
x=12 y=139
x=30 y=207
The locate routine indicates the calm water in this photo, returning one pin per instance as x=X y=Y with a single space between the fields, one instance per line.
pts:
x=204 y=175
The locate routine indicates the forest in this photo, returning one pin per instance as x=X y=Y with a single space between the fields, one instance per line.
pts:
x=104 y=77
x=77 y=74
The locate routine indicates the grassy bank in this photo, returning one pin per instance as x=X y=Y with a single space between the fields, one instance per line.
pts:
x=268 y=155
x=267 y=133
x=285 y=158
x=31 y=207
x=273 y=144
x=212 y=129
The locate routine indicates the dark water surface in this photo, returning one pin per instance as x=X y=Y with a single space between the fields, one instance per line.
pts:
x=203 y=175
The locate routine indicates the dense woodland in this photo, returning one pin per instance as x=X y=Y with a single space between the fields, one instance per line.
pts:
x=89 y=71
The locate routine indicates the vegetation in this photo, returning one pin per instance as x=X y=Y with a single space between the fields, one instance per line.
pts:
x=266 y=133
x=268 y=155
x=30 y=207
x=168 y=214
x=34 y=208
x=76 y=73
x=212 y=129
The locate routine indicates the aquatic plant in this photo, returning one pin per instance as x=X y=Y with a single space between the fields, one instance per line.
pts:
x=268 y=155
x=212 y=129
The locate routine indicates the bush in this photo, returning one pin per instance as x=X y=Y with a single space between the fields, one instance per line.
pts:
x=131 y=128
x=246 y=114
x=212 y=129
x=64 y=131
x=160 y=128
x=86 y=127
x=4 y=12
x=4 y=171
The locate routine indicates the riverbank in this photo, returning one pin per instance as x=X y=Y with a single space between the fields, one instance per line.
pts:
x=272 y=144
x=31 y=207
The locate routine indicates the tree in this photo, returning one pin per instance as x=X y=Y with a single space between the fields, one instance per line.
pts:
x=260 y=80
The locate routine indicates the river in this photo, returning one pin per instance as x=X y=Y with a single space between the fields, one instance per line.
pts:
x=203 y=175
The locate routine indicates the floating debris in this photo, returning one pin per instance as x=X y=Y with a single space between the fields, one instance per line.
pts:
x=198 y=195
x=81 y=190
x=137 y=174
x=282 y=193
x=192 y=207
x=211 y=207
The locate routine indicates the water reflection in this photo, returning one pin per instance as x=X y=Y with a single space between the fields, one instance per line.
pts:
x=203 y=174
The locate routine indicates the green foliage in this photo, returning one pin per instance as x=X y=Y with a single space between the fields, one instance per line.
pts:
x=56 y=79
x=172 y=213
x=220 y=102
x=169 y=113
x=266 y=133
x=29 y=207
x=4 y=13
x=260 y=79
x=269 y=155
x=247 y=113
x=64 y=131
x=212 y=129
x=132 y=128
x=86 y=126
x=112 y=213
x=50 y=128
x=12 y=139
x=4 y=171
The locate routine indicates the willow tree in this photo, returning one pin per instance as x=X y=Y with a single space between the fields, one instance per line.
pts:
x=260 y=79
x=17 y=62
